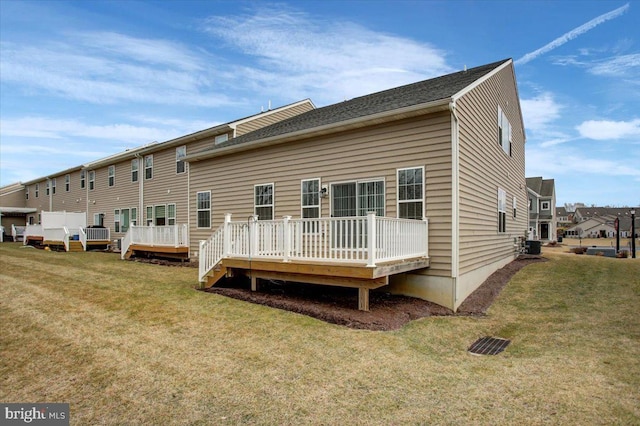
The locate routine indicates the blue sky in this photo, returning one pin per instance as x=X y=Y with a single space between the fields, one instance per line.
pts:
x=81 y=80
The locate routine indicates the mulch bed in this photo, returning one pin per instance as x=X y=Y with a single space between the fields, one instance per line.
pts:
x=339 y=305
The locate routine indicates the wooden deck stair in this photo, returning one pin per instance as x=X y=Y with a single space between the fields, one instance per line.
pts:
x=214 y=276
x=75 y=246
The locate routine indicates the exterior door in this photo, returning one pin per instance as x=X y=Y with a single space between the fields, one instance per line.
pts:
x=544 y=231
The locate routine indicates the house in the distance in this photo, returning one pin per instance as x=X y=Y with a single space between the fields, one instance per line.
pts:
x=542 y=209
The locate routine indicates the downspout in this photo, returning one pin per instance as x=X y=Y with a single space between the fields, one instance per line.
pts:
x=455 y=204
x=86 y=193
x=50 y=194
x=188 y=166
x=141 y=212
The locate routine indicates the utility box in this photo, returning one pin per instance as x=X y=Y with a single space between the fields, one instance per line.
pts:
x=533 y=246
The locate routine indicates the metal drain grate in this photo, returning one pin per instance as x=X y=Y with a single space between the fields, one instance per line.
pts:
x=488 y=346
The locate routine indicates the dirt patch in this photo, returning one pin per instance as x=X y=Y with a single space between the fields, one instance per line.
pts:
x=338 y=305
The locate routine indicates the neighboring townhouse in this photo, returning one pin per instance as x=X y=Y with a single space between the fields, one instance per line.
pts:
x=13 y=211
x=141 y=186
x=563 y=217
x=449 y=150
x=600 y=222
x=542 y=209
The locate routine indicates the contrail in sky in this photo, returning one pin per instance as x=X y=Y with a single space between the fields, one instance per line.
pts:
x=572 y=34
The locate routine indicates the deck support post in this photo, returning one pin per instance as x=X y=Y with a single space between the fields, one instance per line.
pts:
x=226 y=244
x=363 y=298
x=371 y=239
x=254 y=283
x=287 y=237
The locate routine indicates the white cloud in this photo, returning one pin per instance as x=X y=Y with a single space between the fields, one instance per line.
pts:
x=331 y=59
x=83 y=69
x=51 y=128
x=540 y=111
x=609 y=130
x=616 y=66
x=572 y=34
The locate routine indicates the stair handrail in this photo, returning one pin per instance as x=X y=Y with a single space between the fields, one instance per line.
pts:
x=125 y=242
x=83 y=238
x=214 y=249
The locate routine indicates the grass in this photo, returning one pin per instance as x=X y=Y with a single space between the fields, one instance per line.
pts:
x=133 y=343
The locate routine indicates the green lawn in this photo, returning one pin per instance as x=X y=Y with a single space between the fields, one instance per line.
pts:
x=132 y=343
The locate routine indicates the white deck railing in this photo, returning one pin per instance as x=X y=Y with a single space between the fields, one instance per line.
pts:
x=364 y=240
x=17 y=232
x=162 y=236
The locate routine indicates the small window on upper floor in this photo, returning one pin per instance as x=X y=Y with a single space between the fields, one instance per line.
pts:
x=92 y=180
x=53 y=186
x=67 y=183
x=148 y=167
x=82 y=179
x=134 y=169
x=37 y=190
x=111 y=171
x=221 y=138
x=545 y=205
x=504 y=132
x=181 y=152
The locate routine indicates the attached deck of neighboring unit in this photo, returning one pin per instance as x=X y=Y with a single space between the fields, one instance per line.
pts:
x=160 y=251
x=354 y=275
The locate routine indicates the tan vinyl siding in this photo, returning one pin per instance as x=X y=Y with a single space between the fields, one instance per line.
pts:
x=167 y=186
x=13 y=196
x=106 y=199
x=485 y=167
x=42 y=201
x=72 y=201
x=270 y=117
x=373 y=152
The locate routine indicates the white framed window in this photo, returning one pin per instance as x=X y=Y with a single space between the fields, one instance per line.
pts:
x=67 y=183
x=116 y=219
x=26 y=193
x=310 y=198
x=148 y=167
x=98 y=219
x=37 y=191
x=149 y=215
x=263 y=201
x=515 y=206
x=160 y=215
x=134 y=216
x=111 y=173
x=171 y=214
x=504 y=131
x=53 y=186
x=221 y=138
x=47 y=188
x=371 y=197
x=92 y=180
x=411 y=193
x=181 y=152
x=135 y=164
x=82 y=179
x=545 y=205
x=502 y=210
x=203 y=209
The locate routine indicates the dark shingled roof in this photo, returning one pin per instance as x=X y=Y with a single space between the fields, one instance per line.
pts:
x=542 y=187
x=388 y=100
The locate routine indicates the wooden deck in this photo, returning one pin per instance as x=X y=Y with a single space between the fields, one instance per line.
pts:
x=339 y=274
x=160 y=251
